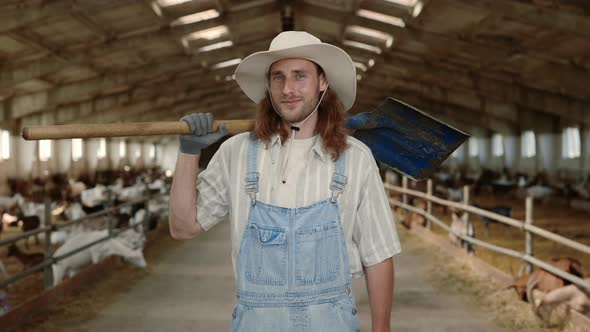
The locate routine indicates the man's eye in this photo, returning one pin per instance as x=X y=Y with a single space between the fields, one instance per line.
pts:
x=300 y=76
x=277 y=78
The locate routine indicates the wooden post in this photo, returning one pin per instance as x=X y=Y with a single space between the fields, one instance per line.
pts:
x=428 y=202
x=47 y=271
x=528 y=236
x=466 y=245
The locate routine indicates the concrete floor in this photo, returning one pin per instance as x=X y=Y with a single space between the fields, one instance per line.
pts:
x=192 y=289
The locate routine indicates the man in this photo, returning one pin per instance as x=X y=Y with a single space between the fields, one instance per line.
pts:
x=306 y=204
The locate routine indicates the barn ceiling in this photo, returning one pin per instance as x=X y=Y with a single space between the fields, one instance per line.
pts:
x=482 y=65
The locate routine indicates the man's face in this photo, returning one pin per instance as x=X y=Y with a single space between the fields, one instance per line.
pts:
x=295 y=88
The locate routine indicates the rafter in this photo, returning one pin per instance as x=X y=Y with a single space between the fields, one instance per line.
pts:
x=480 y=56
x=534 y=14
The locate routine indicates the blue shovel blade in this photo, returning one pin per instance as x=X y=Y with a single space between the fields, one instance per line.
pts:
x=405 y=138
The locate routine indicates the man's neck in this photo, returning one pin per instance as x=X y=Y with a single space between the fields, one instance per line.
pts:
x=306 y=129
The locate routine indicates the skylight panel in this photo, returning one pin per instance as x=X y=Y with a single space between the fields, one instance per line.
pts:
x=405 y=3
x=228 y=63
x=363 y=46
x=393 y=20
x=196 y=17
x=215 y=46
x=168 y=3
x=360 y=66
x=473 y=147
x=385 y=37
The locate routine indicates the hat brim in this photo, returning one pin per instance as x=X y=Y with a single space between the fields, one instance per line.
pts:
x=337 y=65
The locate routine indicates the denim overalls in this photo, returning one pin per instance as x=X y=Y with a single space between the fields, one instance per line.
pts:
x=293 y=272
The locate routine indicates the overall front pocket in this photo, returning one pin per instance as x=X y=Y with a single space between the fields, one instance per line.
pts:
x=266 y=255
x=317 y=254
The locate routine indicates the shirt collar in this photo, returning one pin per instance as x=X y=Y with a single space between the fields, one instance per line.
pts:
x=318 y=147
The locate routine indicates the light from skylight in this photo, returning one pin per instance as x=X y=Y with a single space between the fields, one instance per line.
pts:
x=473 y=147
x=152 y=151
x=363 y=46
x=44 y=149
x=167 y=3
x=227 y=63
x=102 y=148
x=4 y=144
x=393 y=20
x=405 y=3
x=528 y=144
x=76 y=149
x=387 y=38
x=417 y=9
x=570 y=143
x=215 y=46
x=371 y=63
x=196 y=17
x=209 y=34
x=122 y=149
x=360 y=66
x=498 y=145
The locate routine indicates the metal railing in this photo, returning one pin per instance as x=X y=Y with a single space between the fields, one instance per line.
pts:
x=525 y=226
x=49 y=259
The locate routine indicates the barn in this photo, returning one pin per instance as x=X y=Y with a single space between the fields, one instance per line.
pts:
x=419 y=165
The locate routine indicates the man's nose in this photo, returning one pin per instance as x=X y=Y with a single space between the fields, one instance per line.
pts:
x=288 y=86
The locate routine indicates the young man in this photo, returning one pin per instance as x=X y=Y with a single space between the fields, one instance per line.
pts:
x=306 y=204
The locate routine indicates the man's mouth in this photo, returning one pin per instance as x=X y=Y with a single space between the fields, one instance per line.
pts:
x=290 y=102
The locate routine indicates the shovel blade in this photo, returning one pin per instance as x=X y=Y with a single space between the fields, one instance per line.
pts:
x=405 y=138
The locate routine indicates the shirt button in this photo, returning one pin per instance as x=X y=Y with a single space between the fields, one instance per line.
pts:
x=354 y=311
x=233 y=314
x=264 y=239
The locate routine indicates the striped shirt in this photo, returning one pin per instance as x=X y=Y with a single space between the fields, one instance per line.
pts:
x=364 y=209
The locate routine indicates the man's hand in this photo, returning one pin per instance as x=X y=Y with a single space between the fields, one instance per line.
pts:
x=201 y=126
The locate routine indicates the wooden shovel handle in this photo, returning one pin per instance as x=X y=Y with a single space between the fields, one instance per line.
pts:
x=126 y=129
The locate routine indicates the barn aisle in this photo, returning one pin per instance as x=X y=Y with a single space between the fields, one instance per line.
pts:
x=191 y=288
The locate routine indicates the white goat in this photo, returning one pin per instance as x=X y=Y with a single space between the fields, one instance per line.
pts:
x=124 y=246
x=571 y=295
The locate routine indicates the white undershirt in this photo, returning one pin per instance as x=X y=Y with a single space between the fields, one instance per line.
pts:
x=295 y=171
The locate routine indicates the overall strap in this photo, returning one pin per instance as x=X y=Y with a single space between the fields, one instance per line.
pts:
x=252 y=175
x=339 y=180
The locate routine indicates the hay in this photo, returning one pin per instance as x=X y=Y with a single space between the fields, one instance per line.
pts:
x=451 y=275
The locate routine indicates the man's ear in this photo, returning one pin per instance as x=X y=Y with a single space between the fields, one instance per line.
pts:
x=323 y=82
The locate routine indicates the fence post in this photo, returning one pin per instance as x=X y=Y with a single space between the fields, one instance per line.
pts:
x=47 y=274
x=405 y=186
x=470 y=232
x=528 y=236
x=429 y=203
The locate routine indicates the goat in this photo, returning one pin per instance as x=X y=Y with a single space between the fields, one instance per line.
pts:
x=571 y=295
x=460 y=226
x=27 y=260
x=116 y=246
x=27 y=223
x=546 y=281
x=502 y=210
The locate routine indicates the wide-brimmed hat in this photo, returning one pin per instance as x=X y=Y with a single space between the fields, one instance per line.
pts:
x=337 y=65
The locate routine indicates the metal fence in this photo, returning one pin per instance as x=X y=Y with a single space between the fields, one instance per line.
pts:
x=50 y=259
x=526 y=226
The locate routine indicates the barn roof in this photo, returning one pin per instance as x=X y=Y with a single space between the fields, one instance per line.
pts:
x=482 y=65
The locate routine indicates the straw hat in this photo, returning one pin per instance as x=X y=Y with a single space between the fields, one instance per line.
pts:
x=337 y=65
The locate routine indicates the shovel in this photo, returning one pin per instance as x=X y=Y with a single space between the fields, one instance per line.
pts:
x=400 y=136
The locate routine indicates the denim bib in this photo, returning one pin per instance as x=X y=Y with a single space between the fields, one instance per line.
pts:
x=293 y=272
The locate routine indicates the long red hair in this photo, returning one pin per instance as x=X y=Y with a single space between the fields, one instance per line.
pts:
x=330 y=124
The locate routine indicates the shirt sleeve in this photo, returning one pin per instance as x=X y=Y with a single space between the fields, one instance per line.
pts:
x=375 y=232
x=212 y=189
